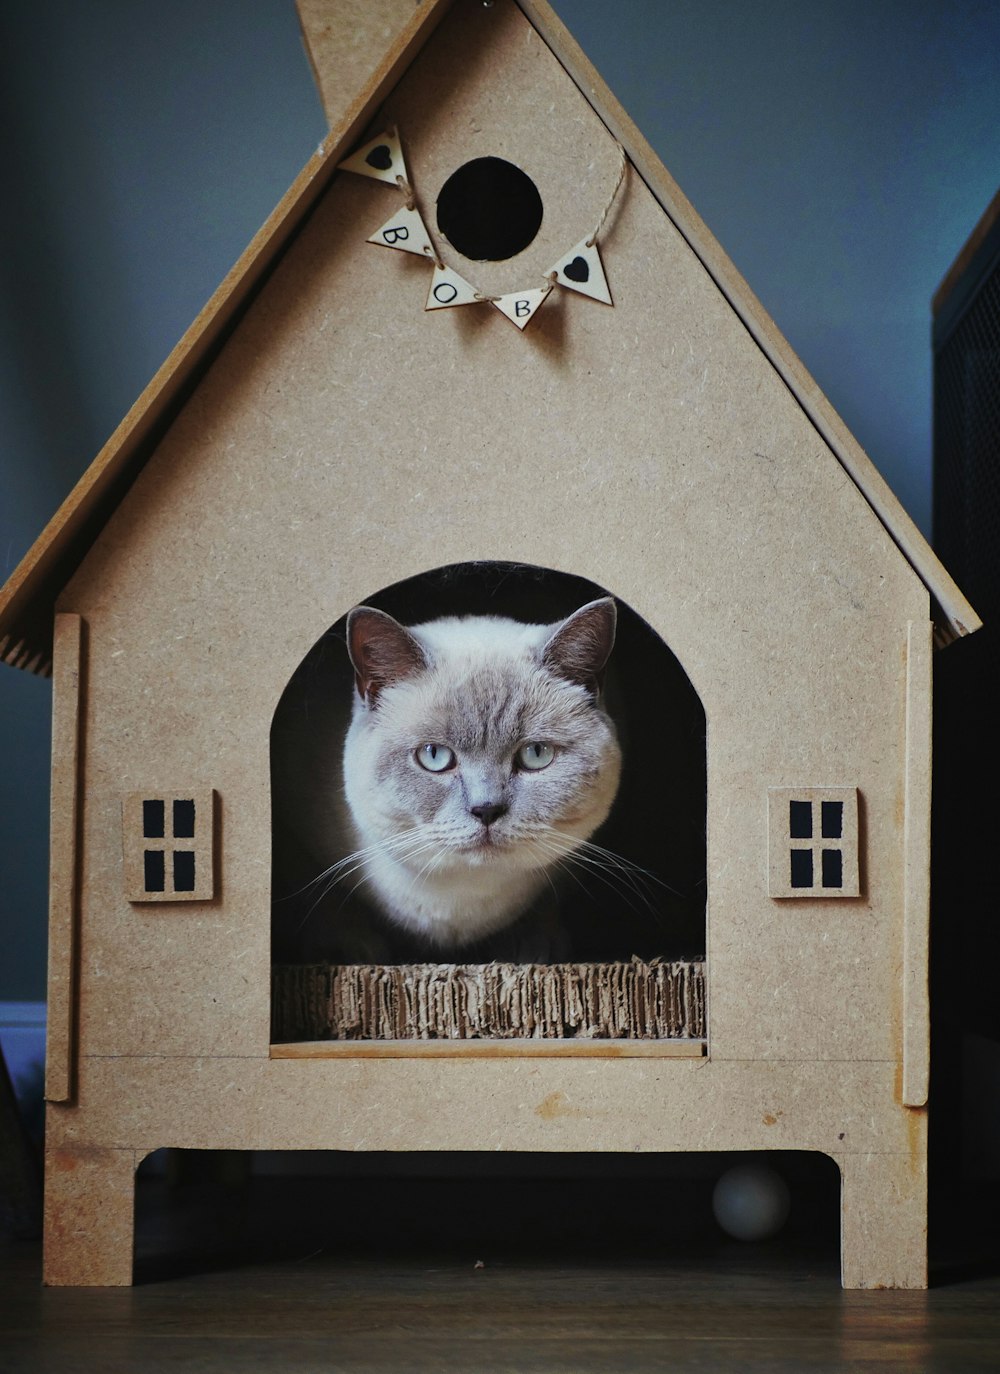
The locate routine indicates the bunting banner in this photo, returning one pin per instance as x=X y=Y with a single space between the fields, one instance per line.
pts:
x=448 y=288
x=406 y=232
x=382 y=159
x=580 y=269
x=520 y=307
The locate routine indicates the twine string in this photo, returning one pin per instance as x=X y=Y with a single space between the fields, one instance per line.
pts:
x=549 y=279
x=409 y=198
x=622 y=165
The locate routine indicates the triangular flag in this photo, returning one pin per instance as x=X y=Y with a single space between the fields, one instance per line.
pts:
x=382 y=159
x=521 y=306
x=582 y=270
x=405 y=231
x=448 y=288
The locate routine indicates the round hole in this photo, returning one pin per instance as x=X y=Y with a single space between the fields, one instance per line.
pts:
x=489 y=209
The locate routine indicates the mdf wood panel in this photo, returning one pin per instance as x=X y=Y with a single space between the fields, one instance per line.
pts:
x=61 y=1014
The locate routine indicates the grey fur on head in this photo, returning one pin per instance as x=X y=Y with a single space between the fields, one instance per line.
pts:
x=478 y=759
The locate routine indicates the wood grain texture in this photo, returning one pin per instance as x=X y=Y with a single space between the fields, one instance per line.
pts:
x=917 y=868
x=343 y=440
x=490 y=1049
x=200 y=844
x=508 y=1103
x=27 y=598
x=957 y=615
x=781 y=842
x=89 y=1216
x=60 y=1047
x=345 y=41
x=376 y=1275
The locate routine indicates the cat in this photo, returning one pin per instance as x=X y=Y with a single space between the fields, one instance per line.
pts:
x=478 y=760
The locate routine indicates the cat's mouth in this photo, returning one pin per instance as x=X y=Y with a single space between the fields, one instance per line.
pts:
x=486 y=844
x=482 y=842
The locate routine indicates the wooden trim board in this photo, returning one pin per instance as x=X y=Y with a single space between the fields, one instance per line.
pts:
x=917 y=868
x=490 y=1049
x=60 y=1051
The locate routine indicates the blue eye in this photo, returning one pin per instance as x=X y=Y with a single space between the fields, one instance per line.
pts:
x=535 y=756
x=436 y=758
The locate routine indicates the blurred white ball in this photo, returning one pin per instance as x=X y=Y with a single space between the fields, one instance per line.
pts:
x=751 y=1202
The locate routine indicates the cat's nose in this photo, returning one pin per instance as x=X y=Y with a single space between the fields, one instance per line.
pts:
x=489 y=812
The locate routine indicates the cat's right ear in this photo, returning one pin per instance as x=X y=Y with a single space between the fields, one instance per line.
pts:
x=382 y=651
x=579 y=648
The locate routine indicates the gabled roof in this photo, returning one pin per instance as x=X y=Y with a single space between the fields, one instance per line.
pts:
x=27 y=600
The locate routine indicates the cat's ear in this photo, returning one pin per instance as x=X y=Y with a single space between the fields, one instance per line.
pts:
x=382 y=651
x=579 y=648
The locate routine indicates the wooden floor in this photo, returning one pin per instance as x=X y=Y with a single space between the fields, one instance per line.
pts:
x=470 y=1274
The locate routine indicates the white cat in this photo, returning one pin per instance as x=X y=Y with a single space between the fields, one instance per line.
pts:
x=475 y=766
x=478 y=756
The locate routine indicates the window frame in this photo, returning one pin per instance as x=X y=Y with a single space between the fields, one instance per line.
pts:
x=190 y=847
x=784 y=842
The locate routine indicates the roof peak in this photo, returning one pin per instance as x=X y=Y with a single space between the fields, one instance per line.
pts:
x=28 y=599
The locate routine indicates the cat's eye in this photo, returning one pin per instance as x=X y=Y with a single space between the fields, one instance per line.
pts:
x=436 y=758
x=535 y=755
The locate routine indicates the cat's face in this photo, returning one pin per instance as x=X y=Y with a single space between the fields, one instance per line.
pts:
x=478 y=744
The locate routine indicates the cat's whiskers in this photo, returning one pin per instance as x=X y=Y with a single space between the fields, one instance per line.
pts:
x=630 y=864
x=544 y=860
x=434 y=861
x=589 y=852
x=554 y=860
x=367 y=874
x=356 y=856
x=406 y=845
x=580 y=858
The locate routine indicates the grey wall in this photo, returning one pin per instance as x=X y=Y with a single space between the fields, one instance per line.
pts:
x=841 y=154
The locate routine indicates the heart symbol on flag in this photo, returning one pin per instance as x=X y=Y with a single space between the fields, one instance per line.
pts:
x=380 y=158
x=577 y=270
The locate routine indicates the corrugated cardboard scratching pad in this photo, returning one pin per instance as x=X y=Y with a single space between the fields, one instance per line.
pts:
x=621 y=1001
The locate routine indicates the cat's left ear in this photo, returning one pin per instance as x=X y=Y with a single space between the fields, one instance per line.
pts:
x=579 y=648
x=382 y=651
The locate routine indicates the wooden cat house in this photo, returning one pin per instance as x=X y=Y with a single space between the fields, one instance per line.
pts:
x=329 y=433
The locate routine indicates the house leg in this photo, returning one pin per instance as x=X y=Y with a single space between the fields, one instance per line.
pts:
x=89 y=1216
x=883 y=1220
